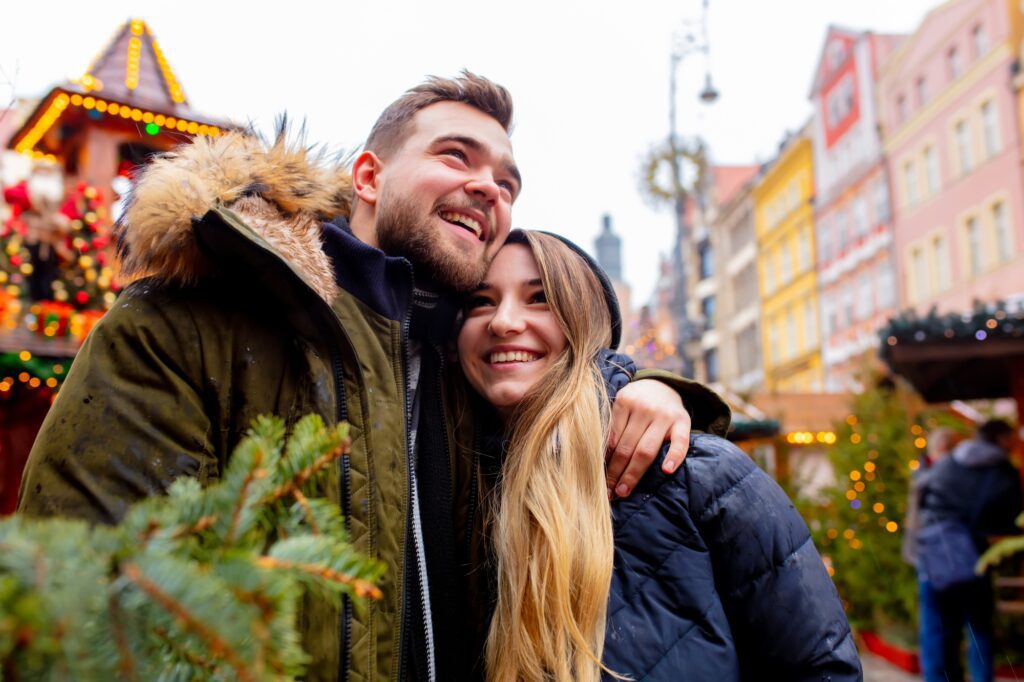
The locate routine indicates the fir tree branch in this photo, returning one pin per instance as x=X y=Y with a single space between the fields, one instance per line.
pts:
x=307 y=510
x=362 y=588
x=218 y=647
x=302 y=477
x=178 y=648
x=254 y=475
x=126 y=662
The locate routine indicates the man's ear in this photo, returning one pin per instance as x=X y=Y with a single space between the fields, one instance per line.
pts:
x=365 y=177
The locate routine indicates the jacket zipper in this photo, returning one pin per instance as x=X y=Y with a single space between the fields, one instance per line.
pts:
x=341 y=414
x=411 y=530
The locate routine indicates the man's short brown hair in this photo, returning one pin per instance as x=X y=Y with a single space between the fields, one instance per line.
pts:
x=392 y=127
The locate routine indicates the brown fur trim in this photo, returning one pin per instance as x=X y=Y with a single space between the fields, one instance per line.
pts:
x=281 y=190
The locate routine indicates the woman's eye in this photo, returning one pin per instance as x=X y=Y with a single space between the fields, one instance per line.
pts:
x=539 y=297
x=475 y=302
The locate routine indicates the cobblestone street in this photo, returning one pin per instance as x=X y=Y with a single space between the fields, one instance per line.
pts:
x=879 y=670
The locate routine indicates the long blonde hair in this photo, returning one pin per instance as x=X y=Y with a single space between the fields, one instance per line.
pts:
x=551 y=527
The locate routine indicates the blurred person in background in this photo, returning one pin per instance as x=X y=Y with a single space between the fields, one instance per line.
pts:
x=975 y=488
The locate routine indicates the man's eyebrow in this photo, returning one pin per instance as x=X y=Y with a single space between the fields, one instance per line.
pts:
x=478 y=146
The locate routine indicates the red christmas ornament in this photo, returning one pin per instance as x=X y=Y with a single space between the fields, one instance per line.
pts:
x=82 y=297
x=17 y=196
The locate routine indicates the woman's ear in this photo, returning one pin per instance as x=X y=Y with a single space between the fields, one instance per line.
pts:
x=366 y=177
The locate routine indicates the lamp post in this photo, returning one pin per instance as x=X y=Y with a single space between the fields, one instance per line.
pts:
x=693 y=39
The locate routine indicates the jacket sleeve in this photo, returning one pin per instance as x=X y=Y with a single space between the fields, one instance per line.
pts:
x=708 y=412
x=128 y=420
x=785 y=614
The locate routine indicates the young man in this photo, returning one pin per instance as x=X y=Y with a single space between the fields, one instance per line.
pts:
x=252 y=303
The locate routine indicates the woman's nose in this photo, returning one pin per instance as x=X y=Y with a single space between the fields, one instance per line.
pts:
x=508 y=319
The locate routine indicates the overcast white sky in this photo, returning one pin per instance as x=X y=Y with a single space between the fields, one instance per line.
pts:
x=590 y=79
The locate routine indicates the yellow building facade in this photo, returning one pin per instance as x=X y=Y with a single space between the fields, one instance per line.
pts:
x=786 y=254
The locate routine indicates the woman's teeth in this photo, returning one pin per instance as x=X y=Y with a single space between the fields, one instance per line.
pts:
x=514 y=356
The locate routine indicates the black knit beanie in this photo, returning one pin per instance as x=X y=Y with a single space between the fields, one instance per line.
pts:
x=518 y=236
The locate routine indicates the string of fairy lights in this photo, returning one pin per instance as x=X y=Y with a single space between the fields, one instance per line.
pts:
x=153 y=122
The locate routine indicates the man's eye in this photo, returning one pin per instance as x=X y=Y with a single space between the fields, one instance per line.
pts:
x=457 y=153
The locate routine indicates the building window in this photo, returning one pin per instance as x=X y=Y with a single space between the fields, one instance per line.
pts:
x=840 y=101
x=769 y=272
x=1004 y=238
x=886 y=285
x=910 y=182
x=864 y=296
x=901 y=109
x=931 y=167
x=881 y=191
x=846 y=314
x=707 y=311
x=804 y=246
x=785 y=262
x=963 y=146
x=921 y=86
x=954 y=63
x=940 y=263
x=810 y=325
x=791 y=347
x=990 y=126
x=744 y=287
x=706 y=260
x=842 y=232
x=711 y=364
x=824 y=242
x=980 y=41
x=974 y=256
x=919 y=272
x=860 y=217
x=748 y=349
x=827 y=323
x=773 y=341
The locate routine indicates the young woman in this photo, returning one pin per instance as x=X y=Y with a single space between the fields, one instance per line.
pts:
x=706 y=574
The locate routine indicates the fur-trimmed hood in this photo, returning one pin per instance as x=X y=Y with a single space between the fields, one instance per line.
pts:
x=282 y=190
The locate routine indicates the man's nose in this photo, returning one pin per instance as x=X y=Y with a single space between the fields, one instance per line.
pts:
x=483 y=186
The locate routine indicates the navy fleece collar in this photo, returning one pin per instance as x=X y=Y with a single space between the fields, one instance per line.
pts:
x=387 y=285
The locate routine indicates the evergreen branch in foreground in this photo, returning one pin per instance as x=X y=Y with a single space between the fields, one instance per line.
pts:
x=201 y=584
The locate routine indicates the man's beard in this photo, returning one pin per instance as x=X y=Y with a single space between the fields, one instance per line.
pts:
x=403 y=231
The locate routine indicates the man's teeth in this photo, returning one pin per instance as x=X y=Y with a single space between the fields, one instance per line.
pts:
x=463 y=220
x=514 y=356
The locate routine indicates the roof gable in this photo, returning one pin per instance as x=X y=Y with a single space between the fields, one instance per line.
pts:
x=133 y=68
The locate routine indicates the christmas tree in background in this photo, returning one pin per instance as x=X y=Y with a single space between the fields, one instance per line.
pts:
x=858 y=525
x=86 y=278
x=203 y=584
x=15 y=260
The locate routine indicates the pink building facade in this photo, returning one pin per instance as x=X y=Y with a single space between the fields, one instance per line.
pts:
x=949 y=120
x=852 y=205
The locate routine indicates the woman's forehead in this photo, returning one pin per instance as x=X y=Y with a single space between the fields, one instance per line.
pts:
x=514 y=264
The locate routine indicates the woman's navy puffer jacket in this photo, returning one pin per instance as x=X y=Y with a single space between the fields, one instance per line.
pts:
x=716 y=577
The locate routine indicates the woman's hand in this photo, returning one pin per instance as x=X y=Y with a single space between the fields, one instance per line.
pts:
x=646 y=413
